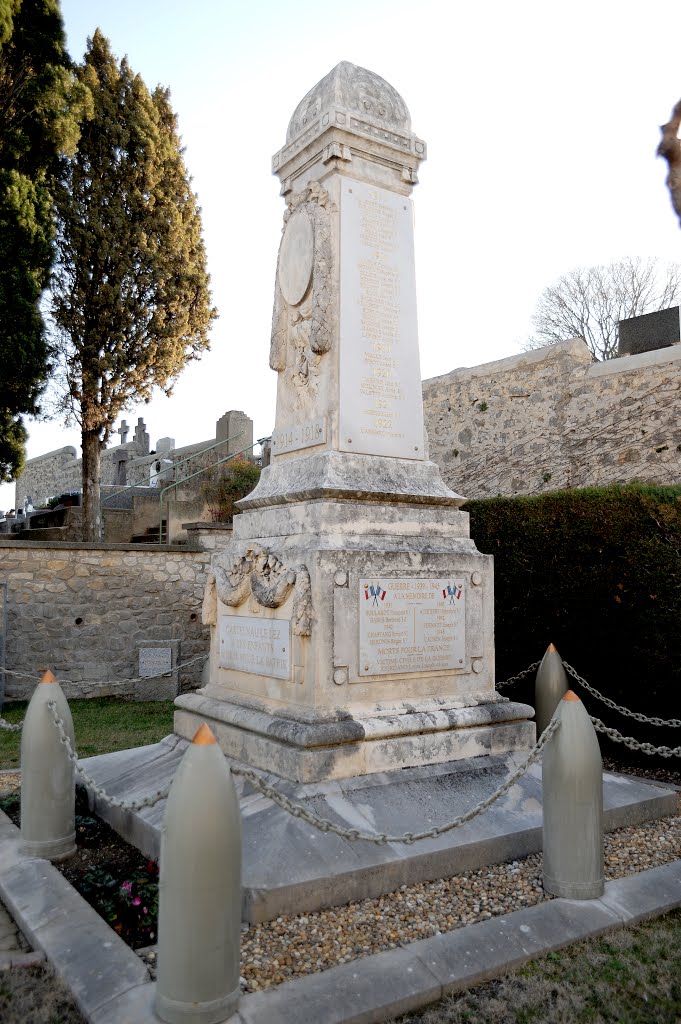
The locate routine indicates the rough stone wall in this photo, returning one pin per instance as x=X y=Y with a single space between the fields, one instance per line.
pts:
x=551 y=418
x=53 y=473
x=60 y=471
x=84 y=612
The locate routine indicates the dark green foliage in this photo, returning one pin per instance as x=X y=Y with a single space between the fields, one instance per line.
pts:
x=130 y=297
x=41 y=104
x=597 y=572
x=234 y=480
x=129 y=905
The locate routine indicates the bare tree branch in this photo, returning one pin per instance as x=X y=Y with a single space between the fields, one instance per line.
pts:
x=670 y=149
x=589 y=302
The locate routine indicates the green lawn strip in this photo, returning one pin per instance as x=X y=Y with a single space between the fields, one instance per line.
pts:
x=101 y=724
x=630 y=976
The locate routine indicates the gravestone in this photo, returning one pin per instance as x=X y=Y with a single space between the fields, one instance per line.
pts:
x=650 y=331
x=121 y=473
x=351 y=614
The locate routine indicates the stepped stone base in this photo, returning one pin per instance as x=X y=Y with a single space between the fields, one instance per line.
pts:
x=350 y=746
x=289 y=867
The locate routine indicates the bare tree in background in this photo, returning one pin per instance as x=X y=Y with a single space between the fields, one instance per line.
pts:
x=670 y=149
x=588 y=302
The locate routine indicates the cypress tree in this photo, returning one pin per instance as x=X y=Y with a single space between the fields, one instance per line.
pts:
x=40 y=107
x=130 y=298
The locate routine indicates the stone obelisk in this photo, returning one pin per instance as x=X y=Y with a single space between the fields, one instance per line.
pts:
x=351 y=614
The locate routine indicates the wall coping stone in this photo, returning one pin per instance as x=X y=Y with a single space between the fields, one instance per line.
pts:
x=207 y=526
x=66 y=450
x=62 y=545
x=575 y=347
x=626 y=364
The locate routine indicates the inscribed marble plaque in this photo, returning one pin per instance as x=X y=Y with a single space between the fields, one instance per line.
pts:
x=381 y=405
x=261 y=646
x=155 y=661
x=411 y=625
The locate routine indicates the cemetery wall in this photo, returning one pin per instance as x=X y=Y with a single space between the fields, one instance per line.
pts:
x=551 y=419
x=59 y=471
x=85 y=611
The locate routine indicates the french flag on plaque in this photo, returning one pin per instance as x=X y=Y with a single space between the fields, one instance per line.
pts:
x=375 y=591
x=453 y=592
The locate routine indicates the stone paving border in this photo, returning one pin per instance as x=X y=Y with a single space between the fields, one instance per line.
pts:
x=111 y=985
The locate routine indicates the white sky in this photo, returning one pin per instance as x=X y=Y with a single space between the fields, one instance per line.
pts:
x=541 y=119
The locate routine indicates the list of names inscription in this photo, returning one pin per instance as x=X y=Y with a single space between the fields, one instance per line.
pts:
x=411 y=625
x=380 y=382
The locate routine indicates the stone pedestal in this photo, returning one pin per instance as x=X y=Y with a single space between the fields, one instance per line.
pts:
x=351 y=614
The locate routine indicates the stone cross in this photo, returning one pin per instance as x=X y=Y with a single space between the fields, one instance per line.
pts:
x=123 y=431
x=141 y=436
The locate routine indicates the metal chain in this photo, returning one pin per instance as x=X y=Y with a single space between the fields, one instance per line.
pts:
x=519 y=676
x=629 y=741
x=381 y=838
x=126 y=805
x=135 y=679
x=8 y=727
x=673 y=723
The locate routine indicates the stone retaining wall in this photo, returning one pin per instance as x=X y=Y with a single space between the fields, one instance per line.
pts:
x=551 y=418
x=84 y=611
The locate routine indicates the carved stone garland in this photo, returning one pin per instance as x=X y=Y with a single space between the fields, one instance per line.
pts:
x=263 y=576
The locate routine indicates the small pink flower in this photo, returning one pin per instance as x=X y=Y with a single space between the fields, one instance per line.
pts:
x=144 y=910
x=136 y=902
x=126 y=887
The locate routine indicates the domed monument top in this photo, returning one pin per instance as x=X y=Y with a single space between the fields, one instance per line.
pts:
x=350 y=111
x=357 y=91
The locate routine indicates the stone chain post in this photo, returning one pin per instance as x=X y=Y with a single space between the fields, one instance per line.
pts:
x=199 y=917
x=572 y=788
x=48 y=792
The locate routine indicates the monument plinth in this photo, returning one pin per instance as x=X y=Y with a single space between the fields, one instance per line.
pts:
x=351 y=614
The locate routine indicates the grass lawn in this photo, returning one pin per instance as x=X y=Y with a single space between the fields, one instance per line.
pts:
x=101 y=724
x=631 y=976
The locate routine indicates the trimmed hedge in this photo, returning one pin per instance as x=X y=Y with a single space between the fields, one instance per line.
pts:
x=597 y=572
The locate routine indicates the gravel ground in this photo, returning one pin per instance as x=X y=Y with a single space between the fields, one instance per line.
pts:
x=292 y=946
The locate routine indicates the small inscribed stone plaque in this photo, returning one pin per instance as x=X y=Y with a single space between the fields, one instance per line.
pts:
x=411 y=625
x=300 y=435
x=261 y=646
x=155 y=661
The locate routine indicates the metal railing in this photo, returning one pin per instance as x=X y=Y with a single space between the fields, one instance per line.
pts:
x=204 y=469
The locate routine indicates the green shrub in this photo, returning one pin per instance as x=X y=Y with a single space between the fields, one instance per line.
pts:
x=597 y=572
x=233 y=481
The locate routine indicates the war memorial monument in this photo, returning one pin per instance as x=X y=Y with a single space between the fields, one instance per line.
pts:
x=351 y=678
x=352 y=622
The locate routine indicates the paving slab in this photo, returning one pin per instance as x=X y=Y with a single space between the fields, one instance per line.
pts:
x=291 y=867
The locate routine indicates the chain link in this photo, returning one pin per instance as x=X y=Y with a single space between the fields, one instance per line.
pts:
x=8 y=727
x=126 y=805
x=629 y=741
x=135 y=679
x=381 y=838
x=673 y=723
x=521 y=675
